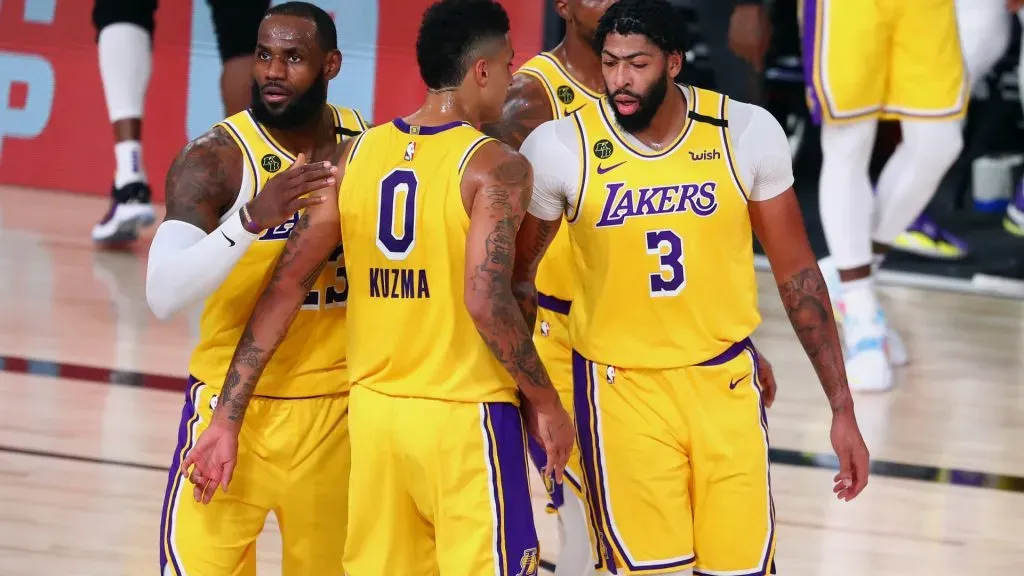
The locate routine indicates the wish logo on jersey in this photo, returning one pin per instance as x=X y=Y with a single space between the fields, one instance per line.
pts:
x=623 y=203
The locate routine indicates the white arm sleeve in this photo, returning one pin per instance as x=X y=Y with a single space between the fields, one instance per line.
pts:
x=186 y=264
x=762 y=151
x=556 y=167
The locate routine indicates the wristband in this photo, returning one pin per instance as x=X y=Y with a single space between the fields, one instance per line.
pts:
x=247 y=222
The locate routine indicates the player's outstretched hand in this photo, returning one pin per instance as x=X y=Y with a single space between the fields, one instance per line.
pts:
x=766 y=379
x=551 y=426
x=853 y=456
x=212 y=461
x=283 y=195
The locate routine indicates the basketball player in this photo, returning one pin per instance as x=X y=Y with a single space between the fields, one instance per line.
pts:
x=124 y=41
x=886 y=59
x=233 y=197
x=660 y=186
x=549 y=86
x=439 y=350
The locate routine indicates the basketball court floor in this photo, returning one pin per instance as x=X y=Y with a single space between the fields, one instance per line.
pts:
x=91 y=388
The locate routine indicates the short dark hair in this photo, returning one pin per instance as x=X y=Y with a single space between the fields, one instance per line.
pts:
x=664 y=25
x=449 y=35
x=326 y=31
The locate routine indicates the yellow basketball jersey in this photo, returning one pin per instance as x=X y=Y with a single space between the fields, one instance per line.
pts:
x=404 y=227
x=662 y=243
x=311 y=359
x=566 y=95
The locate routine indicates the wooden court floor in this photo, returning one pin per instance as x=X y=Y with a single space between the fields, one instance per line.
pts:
x=91 y=390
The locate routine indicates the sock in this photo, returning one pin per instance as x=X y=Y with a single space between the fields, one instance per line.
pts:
x=125 y=65
x=129 y=163
x=876 y=262
x=574 y=558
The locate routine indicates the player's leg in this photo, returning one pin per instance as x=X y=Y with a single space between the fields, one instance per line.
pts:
x=574 y=558
x=236 y=24
x=481 y=508
x=124 y=36
x=387 y=533
x=733 y=512
x=219 y=537
x=633 y=444
x=313 y=511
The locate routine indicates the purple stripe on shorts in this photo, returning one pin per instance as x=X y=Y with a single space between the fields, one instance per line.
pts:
x=540 y=459
x=518 y=546
x=731 y=352
x=808 y=42
x=188 y=413
x=556 y=305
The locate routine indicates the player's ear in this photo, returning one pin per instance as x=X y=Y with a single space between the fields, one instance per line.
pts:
x=562 y=8
x=480 y=71
x=332 y=64
x=675 y=63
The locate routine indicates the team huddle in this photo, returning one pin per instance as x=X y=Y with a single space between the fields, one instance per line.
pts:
x=554 y=264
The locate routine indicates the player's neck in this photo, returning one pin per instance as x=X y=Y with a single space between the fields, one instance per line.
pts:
x=580 y=60
x=308 y=137
x=668 y=121
x=442 y=107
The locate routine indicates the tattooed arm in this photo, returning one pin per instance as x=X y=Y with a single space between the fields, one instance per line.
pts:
x=779 y=226
x=498 y=183
x=535 y=235
x=310 y=243
x=526 y=107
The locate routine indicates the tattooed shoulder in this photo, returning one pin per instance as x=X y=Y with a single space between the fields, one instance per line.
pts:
x=526 y=107
x=204 y=179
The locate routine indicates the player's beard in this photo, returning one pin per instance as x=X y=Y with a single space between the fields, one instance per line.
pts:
x=299 y=111
x=647 y=107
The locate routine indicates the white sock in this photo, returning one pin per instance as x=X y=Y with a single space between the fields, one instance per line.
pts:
x=911 y=177
x=125 y=65
x=876 y=262
x=574 y=558
x=129 y=163
x=844 y=190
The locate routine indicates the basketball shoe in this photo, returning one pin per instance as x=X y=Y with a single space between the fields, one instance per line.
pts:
x=1014 y=221
x=130 y=211
x=925 y=238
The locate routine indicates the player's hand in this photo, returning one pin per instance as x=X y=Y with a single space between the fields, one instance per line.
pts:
x=551 y=426
x=211 y=460
x=766 y=379
x=283 y=195
x=749 y=34
x=853 y=456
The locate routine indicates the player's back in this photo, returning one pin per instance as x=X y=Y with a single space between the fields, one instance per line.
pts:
x=311 y=360
x=404 y=228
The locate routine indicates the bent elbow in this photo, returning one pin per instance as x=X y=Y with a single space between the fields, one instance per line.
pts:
x=159 y=297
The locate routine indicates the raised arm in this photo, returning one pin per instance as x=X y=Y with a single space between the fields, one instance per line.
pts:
x=526 y=107
x=191 y=254
x=309 y=245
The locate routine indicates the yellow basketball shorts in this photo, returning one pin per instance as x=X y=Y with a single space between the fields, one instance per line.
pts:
x=551 y=336
x=676 y=466
x=882 y=58
x=293 y=459
x=438 y=487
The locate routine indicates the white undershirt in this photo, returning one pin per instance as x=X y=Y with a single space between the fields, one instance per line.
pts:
x=761 y=147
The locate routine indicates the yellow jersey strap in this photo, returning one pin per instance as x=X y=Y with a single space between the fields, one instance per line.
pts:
x=237 y=133
x=709 y=107
x=472 y=149
x=565 y=94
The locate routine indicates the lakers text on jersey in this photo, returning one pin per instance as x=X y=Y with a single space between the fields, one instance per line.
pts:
x=453 y=478
x=566 y=95
x=672 y=447
x=294 y=439
x=886 y=58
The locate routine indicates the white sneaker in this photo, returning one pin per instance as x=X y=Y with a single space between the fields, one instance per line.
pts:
x=864 y=342
x=130 y=211
x=896 y=349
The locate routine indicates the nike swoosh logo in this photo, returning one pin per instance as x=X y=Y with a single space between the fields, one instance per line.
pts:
x=603 y=170
x=733 y=384
x=230 y=241
x=568 y=113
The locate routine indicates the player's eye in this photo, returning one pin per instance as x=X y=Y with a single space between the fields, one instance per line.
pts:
x=263 y=56
x=294 y=59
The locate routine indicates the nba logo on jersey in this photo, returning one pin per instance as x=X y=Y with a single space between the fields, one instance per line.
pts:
x=545 y=328
x=410 y=151
x=528 y=563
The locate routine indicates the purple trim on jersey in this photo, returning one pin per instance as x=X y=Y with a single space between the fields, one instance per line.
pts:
x=556 y=491
x=188 y=415
x=808 y=42
x=553 y=304
x=426 y=130
x=730 y=353
x=516 y=541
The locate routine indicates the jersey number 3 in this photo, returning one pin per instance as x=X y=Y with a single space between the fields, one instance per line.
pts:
x=396 y=214
x=333 y=296
x=671 y=278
